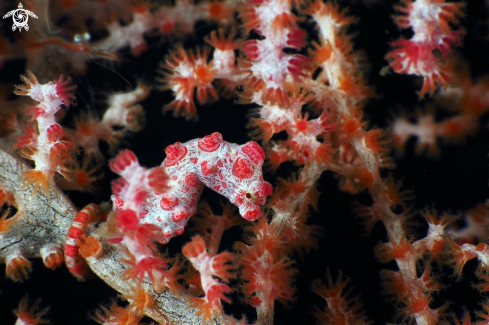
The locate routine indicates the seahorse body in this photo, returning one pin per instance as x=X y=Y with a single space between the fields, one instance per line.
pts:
x=229 y=169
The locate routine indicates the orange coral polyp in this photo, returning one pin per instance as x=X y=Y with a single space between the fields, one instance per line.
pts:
x=202 y=307
x=85 y=179
x=146 y=265
x=352 y=125
x=222 y=42
x=53 y=260
x=37 y=178
x=321 y=52
x=375 y=140
x=88 y=246
x=114 y=315
x=195 y=248
x=283 y=21
x=4 y=223
x=28 y=315
x=18 y=269
x=397 y=251
x=28 y=139
x=324 y=154
x=275 y=96
x=418 y=303
x=218 y=10
x=140 y=299
x=204 y=73
x=301 y=123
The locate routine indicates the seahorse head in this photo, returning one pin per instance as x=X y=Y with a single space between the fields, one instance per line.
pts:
x=251 y=190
